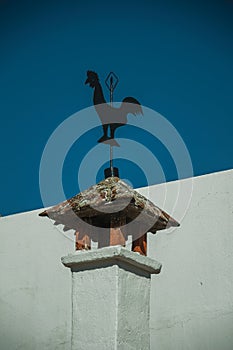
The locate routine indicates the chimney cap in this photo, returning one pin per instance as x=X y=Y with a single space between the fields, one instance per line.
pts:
x=109 y=198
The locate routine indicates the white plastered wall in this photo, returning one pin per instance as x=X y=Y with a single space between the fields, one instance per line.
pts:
x=35 y=288
x=191 y=300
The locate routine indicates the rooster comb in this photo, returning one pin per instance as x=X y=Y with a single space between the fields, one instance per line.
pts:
x=92 y=74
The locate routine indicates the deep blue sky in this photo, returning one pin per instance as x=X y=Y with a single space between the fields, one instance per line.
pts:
x=176 y=57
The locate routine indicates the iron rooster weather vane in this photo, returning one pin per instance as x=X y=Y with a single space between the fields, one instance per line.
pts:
x=112 y=209
x=111 y=117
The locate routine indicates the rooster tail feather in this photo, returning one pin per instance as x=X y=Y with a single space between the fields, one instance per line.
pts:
x=133 y=106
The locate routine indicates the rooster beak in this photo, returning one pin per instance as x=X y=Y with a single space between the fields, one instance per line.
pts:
x=87 y=81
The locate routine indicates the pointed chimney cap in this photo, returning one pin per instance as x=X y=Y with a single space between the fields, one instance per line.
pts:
x=110 y=197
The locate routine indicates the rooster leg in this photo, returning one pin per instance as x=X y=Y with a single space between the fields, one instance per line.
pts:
x=105 y=135
x=112 y=130
x=105 y=130
x=113 y=127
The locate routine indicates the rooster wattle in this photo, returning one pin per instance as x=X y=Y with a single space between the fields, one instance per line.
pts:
x=111 y=117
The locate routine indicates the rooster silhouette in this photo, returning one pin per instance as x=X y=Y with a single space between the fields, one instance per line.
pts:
x=111 y=117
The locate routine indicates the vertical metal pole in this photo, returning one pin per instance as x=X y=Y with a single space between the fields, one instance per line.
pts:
x=111 y=104
x=111 y=91
x=111 y=81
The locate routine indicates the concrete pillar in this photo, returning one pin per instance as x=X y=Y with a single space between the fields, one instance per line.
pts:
x=111 y=299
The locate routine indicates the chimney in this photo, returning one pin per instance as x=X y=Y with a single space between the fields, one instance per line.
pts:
x=111 y=284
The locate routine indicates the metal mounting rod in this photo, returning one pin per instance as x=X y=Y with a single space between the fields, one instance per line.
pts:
x=111 y=84
x=111 y=103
